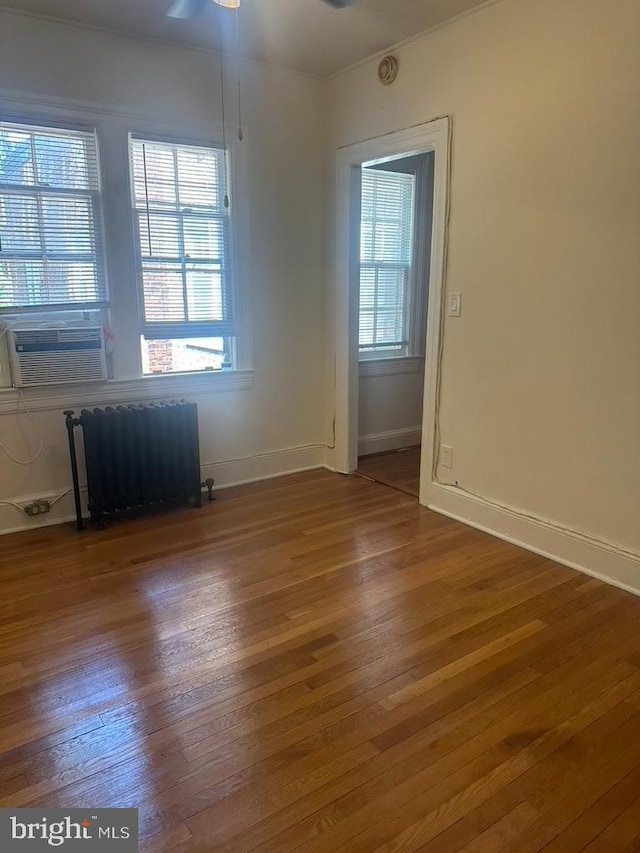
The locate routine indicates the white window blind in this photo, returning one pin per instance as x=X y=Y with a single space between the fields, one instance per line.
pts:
x=183 y=231
x=51 y=247
x=386 y=246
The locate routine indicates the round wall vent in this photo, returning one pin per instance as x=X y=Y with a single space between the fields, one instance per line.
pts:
x=388 y=70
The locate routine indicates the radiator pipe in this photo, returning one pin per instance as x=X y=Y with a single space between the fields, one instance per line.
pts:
x=209 y=483
x=71 y=423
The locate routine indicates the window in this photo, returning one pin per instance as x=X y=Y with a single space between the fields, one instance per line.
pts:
x=51 y=247
x=182 y=226
x=386 y=250
x=185 y=355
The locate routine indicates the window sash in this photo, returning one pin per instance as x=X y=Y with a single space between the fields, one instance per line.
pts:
x=40 y=220
x=175 y=299
x=386 y=274
x=391 y=338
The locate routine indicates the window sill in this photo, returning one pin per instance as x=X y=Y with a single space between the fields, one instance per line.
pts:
x=390 y=366
x=115 y=391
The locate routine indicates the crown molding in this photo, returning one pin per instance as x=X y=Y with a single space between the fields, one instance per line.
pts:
x=416 y=37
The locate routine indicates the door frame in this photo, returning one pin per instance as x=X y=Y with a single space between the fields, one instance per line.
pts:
x=435 y=136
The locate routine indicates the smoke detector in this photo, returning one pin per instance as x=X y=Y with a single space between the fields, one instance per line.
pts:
x=388 y=70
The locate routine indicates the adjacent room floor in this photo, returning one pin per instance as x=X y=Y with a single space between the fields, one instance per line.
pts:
x=399 y=469
x=319 y=663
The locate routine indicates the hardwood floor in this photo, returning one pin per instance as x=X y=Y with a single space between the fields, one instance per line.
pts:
x=317 y=663
x=399 y=469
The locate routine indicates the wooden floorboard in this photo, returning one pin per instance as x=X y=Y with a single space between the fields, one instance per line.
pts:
x=399 y=469
x=317 y=663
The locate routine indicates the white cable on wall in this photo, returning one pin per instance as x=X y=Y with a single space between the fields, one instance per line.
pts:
x=13 y=504
x=59 y=498
x=51 y=502
x=36 y=430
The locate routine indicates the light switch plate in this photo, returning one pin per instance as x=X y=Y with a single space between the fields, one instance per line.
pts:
x=455 y=305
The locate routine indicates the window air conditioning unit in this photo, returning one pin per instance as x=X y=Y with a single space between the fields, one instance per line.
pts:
x=41 y=356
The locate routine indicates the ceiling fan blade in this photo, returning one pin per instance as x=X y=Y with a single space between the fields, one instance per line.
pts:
x=340 y=4
x=185 y=8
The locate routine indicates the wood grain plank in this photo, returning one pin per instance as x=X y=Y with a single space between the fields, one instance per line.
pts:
x=316 y=662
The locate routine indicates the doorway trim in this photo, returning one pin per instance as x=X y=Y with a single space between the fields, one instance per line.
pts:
x=435 y=136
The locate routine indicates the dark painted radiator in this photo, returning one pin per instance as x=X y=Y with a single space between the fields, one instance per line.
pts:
x=137 y=456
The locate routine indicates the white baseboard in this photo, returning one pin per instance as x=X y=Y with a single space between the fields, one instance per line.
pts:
x=264 y=466
x=600 y=560
x=394 y=439
x=232 y=472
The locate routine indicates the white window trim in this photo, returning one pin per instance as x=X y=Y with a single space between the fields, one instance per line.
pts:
x=431 y=136
x=238 y=187
x=147 y=388
x=140 y=216
x=113 y=127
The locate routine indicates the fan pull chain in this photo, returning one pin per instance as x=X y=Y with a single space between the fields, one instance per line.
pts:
x=224 y=123
x=240 y=131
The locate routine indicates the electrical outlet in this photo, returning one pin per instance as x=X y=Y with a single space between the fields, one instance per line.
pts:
x=446 y=456
x=38 y=507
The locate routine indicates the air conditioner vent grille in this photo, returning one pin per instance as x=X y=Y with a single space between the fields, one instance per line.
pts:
x=57 y=356
x=32 y=337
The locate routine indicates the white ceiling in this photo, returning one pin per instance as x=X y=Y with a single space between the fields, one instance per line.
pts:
x=306 y=35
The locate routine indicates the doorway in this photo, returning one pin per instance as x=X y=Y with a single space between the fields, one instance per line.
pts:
x=396 y=207
x=432 y=138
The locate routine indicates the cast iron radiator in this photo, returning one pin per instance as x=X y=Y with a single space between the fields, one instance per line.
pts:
x=137 y=456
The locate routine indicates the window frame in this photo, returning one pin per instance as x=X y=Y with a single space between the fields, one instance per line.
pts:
x=227 y=270
x=379 y=362
x=47 y=122
x=112 y=127
x=402 y=269
x=240 y=352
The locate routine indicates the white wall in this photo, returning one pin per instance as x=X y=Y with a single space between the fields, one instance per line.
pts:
x=390 y=411
x=540 y=390
x=139 y=83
